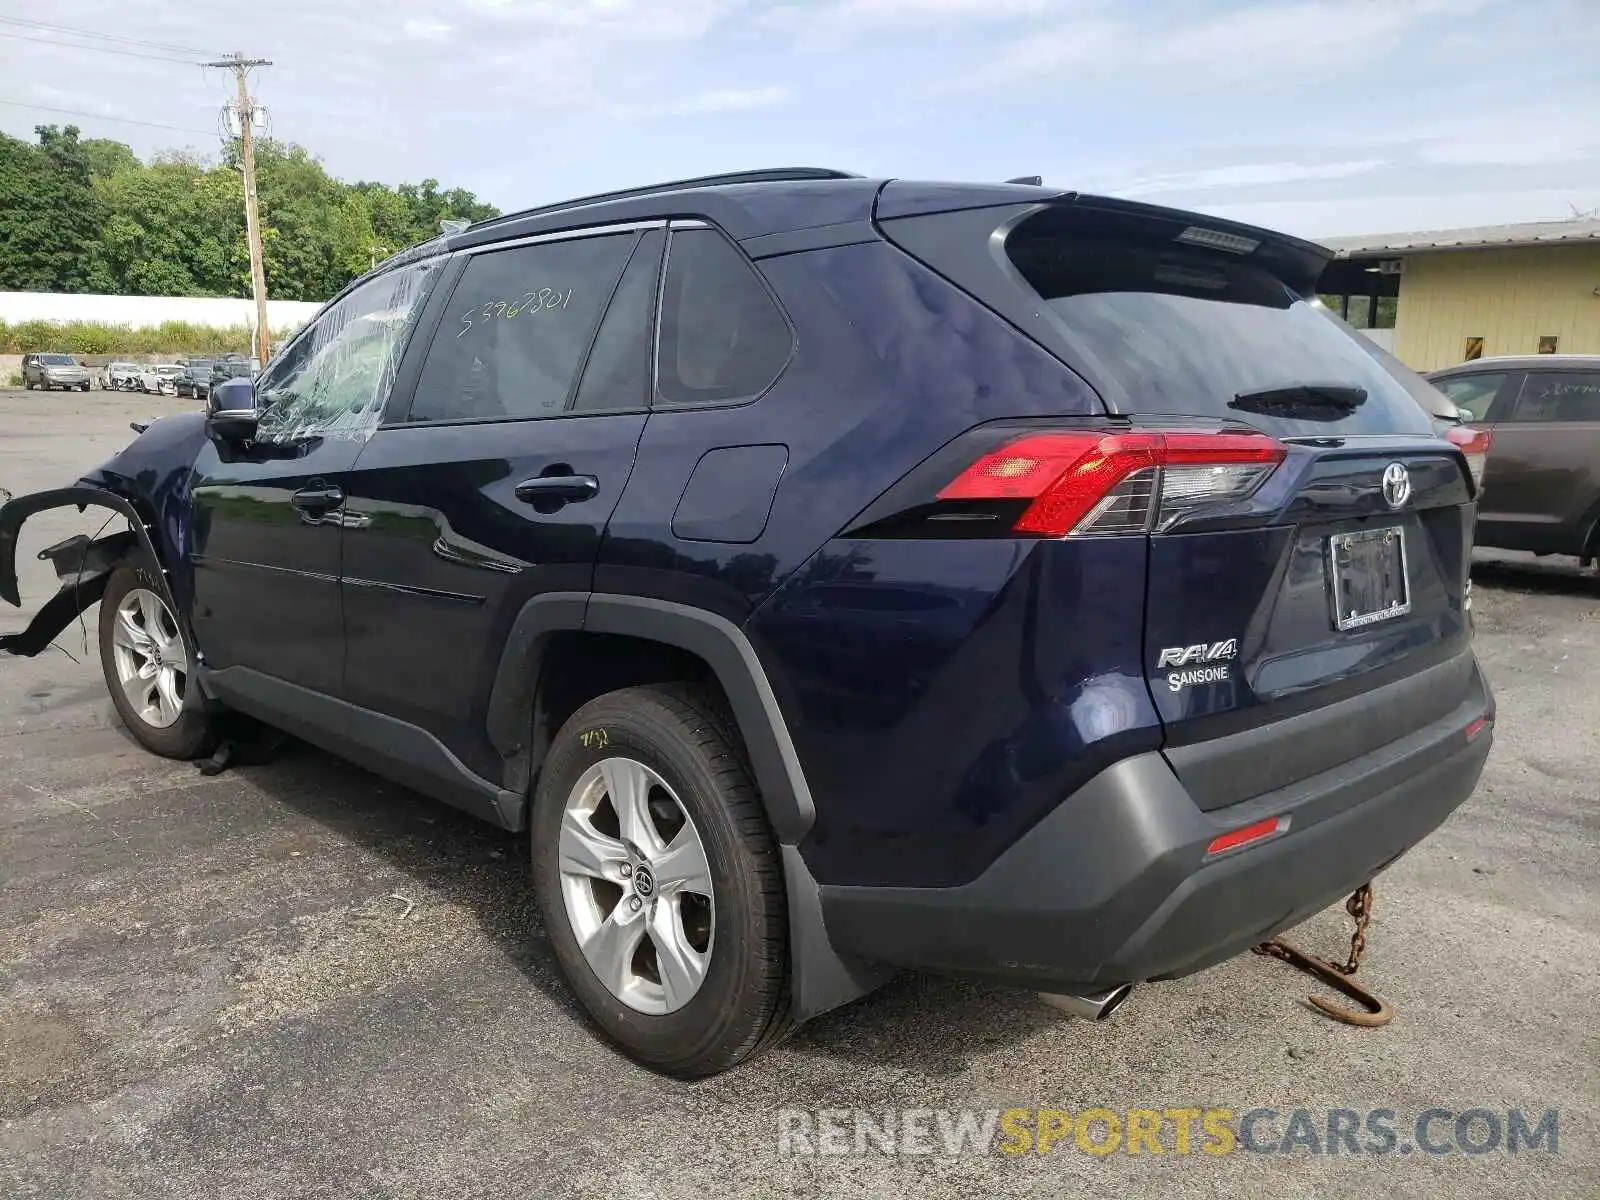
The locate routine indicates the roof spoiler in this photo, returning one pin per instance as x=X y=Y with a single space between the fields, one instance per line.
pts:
x=1297 y=262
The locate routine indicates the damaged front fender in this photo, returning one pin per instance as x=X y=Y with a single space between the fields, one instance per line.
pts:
x=83 y=564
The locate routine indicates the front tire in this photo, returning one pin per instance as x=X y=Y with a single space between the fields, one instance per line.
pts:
x=147 y=667
x=659 y=880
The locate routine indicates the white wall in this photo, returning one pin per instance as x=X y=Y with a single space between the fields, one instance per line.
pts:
x=141 y=312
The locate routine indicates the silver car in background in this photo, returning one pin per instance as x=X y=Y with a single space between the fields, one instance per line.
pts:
x=161 y=380
x=54 y=371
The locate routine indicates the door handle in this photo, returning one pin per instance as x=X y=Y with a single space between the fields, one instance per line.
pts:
x=318 y=498
x=557 y=488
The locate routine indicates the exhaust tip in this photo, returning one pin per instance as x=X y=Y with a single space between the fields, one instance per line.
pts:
x=1090 y=1006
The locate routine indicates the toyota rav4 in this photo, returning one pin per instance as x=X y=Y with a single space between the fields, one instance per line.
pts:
x=832 y=576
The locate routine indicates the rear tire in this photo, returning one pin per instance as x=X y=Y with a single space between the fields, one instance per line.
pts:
x=147 y=668
x=720 y=927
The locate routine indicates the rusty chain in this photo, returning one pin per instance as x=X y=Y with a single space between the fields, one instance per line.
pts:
x=1358 y=906
x=1374 y=1011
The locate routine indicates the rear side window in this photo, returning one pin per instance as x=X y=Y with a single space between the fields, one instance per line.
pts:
x=1473 y=394
x=1559 y=396
x=1165 y=328
x=516 y=329
x=722 y=337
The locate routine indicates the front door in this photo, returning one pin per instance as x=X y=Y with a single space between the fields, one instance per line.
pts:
x=265 y=543
x=496 y=481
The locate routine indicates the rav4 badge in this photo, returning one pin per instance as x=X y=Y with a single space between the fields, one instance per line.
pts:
x=1200 y=652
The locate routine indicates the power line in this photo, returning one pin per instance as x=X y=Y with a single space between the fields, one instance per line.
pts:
x=103 y=37
x=23 y=37
x=72 y=112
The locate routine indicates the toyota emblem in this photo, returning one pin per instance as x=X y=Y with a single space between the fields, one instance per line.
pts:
x=1396 y=485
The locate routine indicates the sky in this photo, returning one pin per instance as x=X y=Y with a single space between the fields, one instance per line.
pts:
x=1319 y=117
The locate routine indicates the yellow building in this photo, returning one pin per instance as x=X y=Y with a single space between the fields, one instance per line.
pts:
x=1436 y=299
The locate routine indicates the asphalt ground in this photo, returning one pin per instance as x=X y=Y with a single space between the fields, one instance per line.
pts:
x=294 y=979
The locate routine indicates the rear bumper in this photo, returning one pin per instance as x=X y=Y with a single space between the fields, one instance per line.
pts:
x=1115 y=885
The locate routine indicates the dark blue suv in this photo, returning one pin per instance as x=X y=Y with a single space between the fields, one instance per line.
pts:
x=833 y=575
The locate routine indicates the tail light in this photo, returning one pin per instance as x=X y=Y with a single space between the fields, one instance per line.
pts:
x=1088 y=484
x=1474 y=443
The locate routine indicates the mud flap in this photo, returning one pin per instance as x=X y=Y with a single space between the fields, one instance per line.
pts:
x=84 y=565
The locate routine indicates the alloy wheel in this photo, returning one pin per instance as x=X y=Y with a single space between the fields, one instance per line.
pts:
x=636 y=885
x=152 y=664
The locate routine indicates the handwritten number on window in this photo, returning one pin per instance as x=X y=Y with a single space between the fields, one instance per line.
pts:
x=543 y=300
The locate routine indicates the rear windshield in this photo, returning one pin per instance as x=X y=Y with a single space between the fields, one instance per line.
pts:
x=1162 y=329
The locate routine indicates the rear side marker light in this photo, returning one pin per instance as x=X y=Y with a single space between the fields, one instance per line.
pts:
x=1246 y=834
x=1477 y=727
x=1083 y=484
x=1474 y=443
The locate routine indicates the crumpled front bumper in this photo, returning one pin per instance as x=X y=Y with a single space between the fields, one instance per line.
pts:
x=83 y=564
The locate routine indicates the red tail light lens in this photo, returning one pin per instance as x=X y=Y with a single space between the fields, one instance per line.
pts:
x=1095 y=484
x=1474 y=443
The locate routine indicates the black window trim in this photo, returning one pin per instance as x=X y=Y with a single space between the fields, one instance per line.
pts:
x=445 y=291
x=656 y=402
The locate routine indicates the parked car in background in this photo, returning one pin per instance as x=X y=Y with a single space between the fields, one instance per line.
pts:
x=50 y=371
x=161 y=380
x=1542 y=482
x=231 y=368
x=833 y=575
x=195 y=381
x=118 y=376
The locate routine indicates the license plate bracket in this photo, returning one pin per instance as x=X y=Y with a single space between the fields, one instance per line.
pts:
x=1370 y=576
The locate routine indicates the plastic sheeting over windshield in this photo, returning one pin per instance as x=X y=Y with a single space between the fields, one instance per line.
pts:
x=333 y=380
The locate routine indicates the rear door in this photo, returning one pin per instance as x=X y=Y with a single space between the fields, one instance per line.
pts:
x=495 y=482
x=1543 y=477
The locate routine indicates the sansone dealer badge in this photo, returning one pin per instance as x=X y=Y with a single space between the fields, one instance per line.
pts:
x=1203 y=662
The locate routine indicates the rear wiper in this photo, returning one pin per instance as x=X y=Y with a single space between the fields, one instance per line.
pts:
x=1303 y=401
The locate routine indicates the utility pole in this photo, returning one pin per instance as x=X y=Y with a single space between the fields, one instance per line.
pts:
x=241 y=67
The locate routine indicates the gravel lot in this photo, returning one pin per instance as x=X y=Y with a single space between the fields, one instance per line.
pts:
x=211 y=987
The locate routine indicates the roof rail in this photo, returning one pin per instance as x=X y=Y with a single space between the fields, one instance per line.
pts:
x=763 y=175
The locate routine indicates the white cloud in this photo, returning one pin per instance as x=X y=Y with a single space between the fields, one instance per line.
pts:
x=425 y=29
x=1243 y=175
x=714 y=100
x=1315 y=38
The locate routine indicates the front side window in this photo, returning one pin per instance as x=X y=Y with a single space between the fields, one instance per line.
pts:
x=1564 y=396
x=1473 y=394
x=723 y=338
x=517 y=328
x=333 y=380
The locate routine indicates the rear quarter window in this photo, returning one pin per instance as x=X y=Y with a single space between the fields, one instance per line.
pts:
x=723 y=338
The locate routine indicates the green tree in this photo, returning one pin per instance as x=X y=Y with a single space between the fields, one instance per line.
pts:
x=89 y=215
x=49 y=216
x=106 y=157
